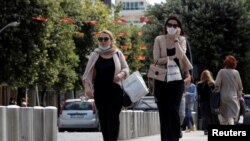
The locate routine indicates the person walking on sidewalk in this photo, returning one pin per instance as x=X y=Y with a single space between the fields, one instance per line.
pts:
x=204 y=90
x=102 y=81
x=190 y=96
x=228 y=82
x=168 y=48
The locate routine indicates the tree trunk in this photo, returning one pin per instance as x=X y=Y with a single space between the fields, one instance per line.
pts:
x=20 y=95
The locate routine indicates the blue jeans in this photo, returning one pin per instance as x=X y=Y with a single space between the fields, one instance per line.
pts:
x=188 y=118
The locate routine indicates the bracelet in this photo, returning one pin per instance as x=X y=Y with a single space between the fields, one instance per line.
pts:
x=176 y=41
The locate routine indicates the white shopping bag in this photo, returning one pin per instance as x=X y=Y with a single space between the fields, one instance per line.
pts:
x=135 y=86
x=173 y=71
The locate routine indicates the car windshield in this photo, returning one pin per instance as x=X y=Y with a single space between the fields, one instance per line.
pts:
x=147 y=103
x=79 y=105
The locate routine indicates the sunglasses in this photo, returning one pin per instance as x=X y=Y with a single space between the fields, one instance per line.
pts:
x=172 y=25
x=105 y=39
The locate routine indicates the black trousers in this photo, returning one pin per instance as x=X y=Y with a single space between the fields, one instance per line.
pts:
x=207 y=116
x=109 y=106
x=168 y=97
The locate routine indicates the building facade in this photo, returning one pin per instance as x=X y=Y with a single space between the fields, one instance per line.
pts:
x=133 y=10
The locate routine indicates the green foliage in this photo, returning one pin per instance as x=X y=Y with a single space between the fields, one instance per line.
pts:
x=213 y=28
x=133 y=41
x=37 y=51
x=89 y=20
x=46 y=51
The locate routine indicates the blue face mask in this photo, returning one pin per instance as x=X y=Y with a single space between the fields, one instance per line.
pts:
x=104 y=48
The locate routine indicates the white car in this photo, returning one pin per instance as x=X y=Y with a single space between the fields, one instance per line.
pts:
x=78 y=114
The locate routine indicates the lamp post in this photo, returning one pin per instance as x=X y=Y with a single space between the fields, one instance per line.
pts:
x=12 y=24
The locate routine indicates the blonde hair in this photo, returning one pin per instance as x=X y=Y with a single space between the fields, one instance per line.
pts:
x=111 y=36
x=206 y=77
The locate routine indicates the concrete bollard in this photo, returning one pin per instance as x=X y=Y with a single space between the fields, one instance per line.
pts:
x=26 y=123
x=157 y=123
x=130 y=122
x=38 y=124
x=151 y=123
x=136 y=123
x=50 y=122
x=146 y=123
x=122 y=130
x=141 y=130
x=126 y=125
x=3 y=133
x=13 y=125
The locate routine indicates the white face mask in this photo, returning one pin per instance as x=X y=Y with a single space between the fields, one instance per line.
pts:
x=104 y=48
x=171 y=30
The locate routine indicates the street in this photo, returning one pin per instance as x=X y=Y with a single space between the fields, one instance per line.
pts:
x=97 y=136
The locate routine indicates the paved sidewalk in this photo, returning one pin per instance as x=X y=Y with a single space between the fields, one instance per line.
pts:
x=190 y=136
x=97 y=136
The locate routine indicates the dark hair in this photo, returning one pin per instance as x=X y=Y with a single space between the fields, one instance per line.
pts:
x=177 y=19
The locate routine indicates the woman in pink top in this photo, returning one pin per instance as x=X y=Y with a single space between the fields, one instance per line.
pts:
x=102 y=81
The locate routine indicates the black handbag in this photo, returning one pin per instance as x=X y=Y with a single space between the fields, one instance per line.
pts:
x=243 y=106
x=126 y=101
x=215 y=102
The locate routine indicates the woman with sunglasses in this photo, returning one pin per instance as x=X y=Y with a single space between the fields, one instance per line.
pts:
x=102 y=81
x=171 y=46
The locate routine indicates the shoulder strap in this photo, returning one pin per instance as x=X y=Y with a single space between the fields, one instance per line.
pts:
x=189 y=55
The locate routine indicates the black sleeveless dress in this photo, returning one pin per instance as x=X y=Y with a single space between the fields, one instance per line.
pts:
x=108 y=98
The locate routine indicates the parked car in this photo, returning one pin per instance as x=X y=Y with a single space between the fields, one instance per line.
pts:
x=247 y=100
x=146 y=103
x=78 y=114
x=246 y=119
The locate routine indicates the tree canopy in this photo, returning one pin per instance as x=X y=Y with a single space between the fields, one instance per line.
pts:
x=213 y=28
x=51 y=45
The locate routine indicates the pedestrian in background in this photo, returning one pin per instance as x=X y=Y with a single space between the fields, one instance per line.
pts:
x=171 y=46
x=204 y=88
x=190 y=97
x=24 y=102
x=228 y=82
x=102 y=81
x=12 y=101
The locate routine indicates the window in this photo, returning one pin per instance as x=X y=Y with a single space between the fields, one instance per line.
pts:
x=132 y=6
x=136 y=6
x=78 y=106
x=141 y=6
